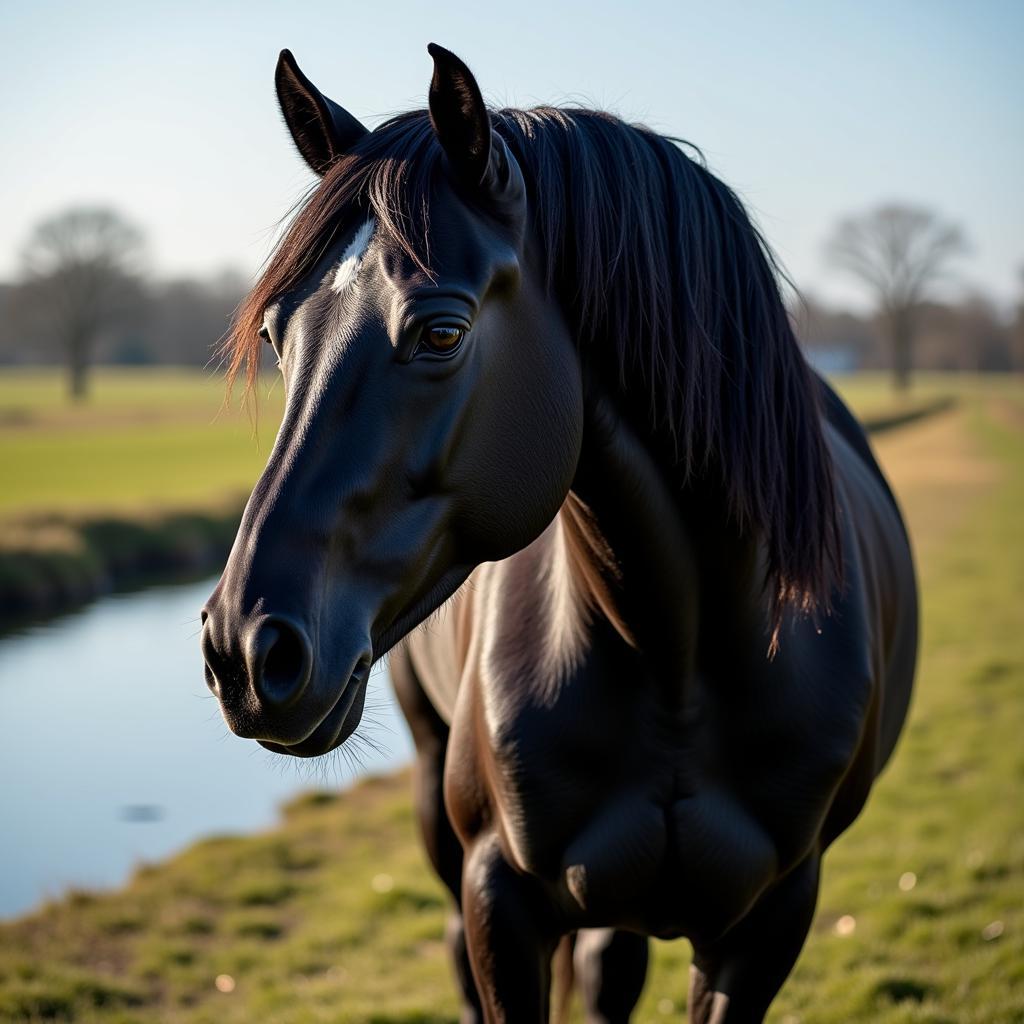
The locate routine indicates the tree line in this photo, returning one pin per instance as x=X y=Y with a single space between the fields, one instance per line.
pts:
x=82 y=297
x=972 y=335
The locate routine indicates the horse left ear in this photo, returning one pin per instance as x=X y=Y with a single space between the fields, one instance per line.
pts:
x=322 y=130
x=459 y=116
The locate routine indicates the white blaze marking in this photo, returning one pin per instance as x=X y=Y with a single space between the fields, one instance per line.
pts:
x=347 y=270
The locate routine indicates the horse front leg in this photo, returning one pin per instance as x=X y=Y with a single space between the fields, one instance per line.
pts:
x=510 y=934
x=734 y=980
x=611 y=968
x=430 y=734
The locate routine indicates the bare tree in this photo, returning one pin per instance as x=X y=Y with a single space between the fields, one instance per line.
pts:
x=898 y=252
x=80 y=276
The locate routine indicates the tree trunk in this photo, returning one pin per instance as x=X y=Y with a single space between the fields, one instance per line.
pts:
x=901 y=330
x=78 y=367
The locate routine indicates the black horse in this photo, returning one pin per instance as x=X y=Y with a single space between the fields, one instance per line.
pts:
x=538 y=368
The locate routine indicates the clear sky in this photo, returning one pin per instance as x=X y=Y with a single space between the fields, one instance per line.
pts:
x=809 y=109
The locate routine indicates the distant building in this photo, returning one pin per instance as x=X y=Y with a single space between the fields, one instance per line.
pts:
x=832 y=360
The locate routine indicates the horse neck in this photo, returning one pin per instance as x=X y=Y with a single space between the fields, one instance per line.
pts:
x=653 y=560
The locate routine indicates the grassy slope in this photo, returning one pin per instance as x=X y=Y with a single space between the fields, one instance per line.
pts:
x=333 y=916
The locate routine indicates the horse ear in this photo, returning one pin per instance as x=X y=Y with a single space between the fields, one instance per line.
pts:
x=322 y=130
x=459 y=116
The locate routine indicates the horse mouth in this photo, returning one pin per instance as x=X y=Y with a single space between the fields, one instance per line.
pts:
x=337 y=725
x=344 y=716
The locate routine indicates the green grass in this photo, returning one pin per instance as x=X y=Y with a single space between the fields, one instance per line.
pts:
x=871 y=392
x=333 y=916
x=144 y=440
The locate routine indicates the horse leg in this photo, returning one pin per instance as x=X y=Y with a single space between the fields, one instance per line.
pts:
x=430 y=734
x=611 y=967
x=734 y=980
x=511 y=935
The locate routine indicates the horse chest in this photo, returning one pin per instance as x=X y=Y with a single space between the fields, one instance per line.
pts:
x=634 y=817
x=545 y=755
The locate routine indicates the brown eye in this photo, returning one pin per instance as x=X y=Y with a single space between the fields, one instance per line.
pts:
x=443 y=340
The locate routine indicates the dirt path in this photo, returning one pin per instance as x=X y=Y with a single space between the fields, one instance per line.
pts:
x=938 y=471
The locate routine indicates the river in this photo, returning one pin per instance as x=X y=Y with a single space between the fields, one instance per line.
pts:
x=114 y=753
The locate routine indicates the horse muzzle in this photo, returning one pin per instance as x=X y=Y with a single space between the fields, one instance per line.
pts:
x=272 y=688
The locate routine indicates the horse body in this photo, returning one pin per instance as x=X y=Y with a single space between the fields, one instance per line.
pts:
x=662 y=787
x=678 y=617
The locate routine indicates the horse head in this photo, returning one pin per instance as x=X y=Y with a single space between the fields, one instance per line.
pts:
x=433 y=416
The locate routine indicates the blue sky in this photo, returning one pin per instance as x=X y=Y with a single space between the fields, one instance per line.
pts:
x=810 y=110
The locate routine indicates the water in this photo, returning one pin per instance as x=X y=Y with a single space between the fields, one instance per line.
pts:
x=113 y=751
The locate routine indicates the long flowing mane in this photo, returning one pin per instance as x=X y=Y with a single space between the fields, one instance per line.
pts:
x=671 y=293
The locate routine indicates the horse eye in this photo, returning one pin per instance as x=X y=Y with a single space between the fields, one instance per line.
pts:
x=443 y=340
x=265 y=334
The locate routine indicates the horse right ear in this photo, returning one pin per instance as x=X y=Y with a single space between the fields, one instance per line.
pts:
x=459 y=116
x=322 y=130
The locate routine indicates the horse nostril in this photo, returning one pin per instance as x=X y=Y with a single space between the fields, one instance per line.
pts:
x=212 y=682
x=282 y=661
x=211 y=659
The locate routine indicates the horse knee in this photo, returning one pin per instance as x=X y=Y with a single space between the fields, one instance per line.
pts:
x=496 y=898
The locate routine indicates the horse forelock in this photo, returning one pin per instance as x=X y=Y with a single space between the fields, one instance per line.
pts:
x=384 y=179
x=669 y=288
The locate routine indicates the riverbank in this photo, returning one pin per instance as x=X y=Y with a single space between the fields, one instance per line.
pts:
x=334 y=916
x=50 y=564
x=143 y=482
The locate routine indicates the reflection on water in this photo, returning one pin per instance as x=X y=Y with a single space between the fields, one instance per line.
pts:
x=112 y=750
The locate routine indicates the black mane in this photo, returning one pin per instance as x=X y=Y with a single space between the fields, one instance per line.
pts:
x=670 y=291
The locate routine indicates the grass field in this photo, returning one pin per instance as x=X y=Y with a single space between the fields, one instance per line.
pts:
x=153 y=439
x=333 y=917
x=144 y=439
